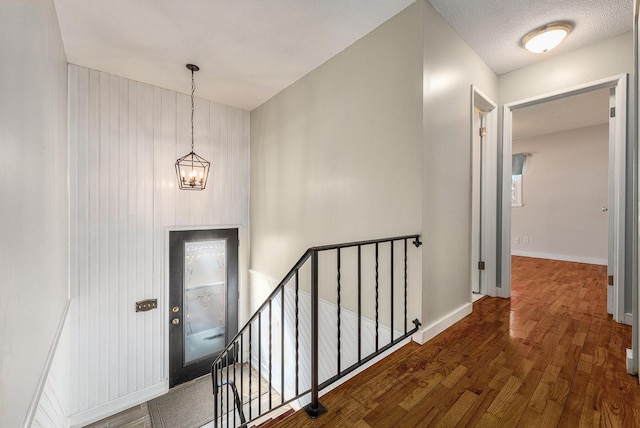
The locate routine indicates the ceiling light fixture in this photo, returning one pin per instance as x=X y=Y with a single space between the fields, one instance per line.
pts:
x=547 y=37
x=192 y=170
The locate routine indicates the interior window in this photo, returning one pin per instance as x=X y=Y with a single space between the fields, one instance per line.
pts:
x=516 y=190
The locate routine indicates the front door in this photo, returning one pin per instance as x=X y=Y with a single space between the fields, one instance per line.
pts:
x=203 y=299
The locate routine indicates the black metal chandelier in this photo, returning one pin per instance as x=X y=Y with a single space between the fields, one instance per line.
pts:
x=192 y=170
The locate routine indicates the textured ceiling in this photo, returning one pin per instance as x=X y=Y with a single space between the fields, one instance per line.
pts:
x=249 y=50
x=494 y=28
x=577 y=111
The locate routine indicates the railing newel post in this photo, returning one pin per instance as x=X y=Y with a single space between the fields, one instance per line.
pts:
x=314 y=409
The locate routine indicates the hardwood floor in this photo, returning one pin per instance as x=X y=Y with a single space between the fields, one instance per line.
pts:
x=549 y=356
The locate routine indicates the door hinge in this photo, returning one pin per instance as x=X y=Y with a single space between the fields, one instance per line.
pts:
x=610 y=280
x=480 y=265
x=483 y=132
x=612 y=112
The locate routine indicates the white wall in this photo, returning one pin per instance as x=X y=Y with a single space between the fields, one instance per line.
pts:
x=33 y=185
x=607 y=58
x=450 y=67
x=336 y=157
x=375 y=142
x=124 y=139
x=565 y=186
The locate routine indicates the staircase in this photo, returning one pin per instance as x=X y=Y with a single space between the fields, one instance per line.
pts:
x=299 y=343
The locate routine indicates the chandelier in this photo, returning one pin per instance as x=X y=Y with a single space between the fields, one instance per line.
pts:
x=192 y=170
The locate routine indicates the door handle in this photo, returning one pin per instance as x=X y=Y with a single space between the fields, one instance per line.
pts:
x=175 y=321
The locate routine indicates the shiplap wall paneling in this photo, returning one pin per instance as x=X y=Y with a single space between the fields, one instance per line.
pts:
x=53 y=406
x=218 y=118
x=124 y=139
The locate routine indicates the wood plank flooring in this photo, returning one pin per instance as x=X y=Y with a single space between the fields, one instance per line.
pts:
x=550 y=356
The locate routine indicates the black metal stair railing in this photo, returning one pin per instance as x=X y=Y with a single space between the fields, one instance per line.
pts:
x=252 y=391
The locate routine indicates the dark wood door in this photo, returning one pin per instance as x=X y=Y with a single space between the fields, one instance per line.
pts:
x=203 y=299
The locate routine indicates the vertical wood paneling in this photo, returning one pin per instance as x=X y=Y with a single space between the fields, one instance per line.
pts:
x=123 y=245
x=124 y=139
x=131 y=235
x=114 y=260
x=93 y=131
x=157 y=349
x=52 y=408
x=73 y=214
x=103 y=232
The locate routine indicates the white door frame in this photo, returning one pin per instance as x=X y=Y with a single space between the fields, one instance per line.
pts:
x=632 y=366
x=484 y=232
x=618 y=85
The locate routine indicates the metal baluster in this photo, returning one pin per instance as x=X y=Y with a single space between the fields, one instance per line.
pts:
x=233 y=356
x=226 y=387
x=405 y=286
x=242 y=370
x=214 y=381
x=260 y=364
x=338 y=300
x=270 y=354
x=250 y=371
x=377 y=297
x=359 y=303
x=391 y=243
x=282 y=348
x=297 y=339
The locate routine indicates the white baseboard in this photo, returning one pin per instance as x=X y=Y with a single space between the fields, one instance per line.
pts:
x=561 y=257
x=427 y=333
x=628 y=318
x=630 y=366
x=123 y=403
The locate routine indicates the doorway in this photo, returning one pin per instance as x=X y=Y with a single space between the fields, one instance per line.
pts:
x=617 y=175
x=203 y=299
x=561 y=161
x=484 y=184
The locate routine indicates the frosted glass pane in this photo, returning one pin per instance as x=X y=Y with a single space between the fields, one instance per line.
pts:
x=205 y=286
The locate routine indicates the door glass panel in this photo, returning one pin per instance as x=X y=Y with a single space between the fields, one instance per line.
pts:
x=205 y=286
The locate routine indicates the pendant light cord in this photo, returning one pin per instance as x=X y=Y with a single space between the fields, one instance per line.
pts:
x=193 y=91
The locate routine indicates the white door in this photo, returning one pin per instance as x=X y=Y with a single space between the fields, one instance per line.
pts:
x=476 y=201
x=484 y=126
x=611 y=208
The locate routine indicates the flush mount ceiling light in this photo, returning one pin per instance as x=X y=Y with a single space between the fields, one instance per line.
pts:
x=545 y=38
x=192 y=170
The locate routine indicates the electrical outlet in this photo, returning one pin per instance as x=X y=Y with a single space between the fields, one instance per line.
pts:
x=517 y=240
x=525 y=239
